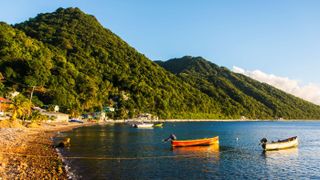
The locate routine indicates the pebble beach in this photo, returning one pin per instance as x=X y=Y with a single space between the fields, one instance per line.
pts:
x=29 y=153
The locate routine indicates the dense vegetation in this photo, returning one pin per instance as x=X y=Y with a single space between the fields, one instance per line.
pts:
x=72 y=61
x=238 y=94
x=76 y=63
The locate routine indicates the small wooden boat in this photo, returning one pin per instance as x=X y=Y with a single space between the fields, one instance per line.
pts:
x=280 y=144
x=143 y=125
x=158 y=125
x=195 y=142
x=76 y=120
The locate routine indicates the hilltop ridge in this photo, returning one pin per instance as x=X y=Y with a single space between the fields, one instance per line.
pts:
x=239 y=94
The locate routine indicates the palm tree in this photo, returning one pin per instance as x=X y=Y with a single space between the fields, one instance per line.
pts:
x=20 y=107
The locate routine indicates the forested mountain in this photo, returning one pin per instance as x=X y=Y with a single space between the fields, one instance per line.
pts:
x=239 y=94
x=73 y=61
x=76 y=63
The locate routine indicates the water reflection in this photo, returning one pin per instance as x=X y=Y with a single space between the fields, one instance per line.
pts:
x=285 y=160
x=198 y=151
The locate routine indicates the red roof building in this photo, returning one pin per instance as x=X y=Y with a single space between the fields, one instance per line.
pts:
x=4 y=104
x=4 y=100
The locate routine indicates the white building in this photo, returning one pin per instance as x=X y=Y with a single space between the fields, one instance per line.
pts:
x=57 y=116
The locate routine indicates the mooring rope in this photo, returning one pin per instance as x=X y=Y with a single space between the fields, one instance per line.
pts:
x=136 y=158
x=110 y=158
x=30 y=155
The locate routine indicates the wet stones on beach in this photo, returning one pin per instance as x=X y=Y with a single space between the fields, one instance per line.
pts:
x=64 y=143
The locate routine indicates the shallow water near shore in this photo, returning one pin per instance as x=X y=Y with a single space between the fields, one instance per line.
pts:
x=121 y=152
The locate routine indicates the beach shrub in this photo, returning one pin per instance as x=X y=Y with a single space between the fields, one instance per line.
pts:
x=74 y=113
x=33 y=125
x=10 y=124
x=37 y=117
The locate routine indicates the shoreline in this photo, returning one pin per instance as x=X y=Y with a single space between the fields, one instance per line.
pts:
x=210 y=120
x=29 y=153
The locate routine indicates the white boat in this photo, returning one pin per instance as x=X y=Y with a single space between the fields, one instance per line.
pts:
x=280 y=144
x=143 y=125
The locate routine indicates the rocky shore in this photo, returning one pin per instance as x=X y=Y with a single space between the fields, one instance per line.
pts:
x=28 y=153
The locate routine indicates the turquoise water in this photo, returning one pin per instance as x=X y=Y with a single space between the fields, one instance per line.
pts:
x=121 y=152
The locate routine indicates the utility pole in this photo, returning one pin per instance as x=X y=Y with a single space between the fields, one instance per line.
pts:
x=32 y=93
x=31 y=99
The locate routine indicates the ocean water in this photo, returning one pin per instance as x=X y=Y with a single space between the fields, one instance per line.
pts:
x=121 y=152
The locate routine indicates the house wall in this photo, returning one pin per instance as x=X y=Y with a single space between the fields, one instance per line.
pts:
x=59 y=117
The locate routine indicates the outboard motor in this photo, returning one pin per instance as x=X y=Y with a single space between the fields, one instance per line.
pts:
x=263 y=142
x=171 y=137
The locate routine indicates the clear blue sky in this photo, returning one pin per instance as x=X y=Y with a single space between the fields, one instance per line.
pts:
x=281 y=37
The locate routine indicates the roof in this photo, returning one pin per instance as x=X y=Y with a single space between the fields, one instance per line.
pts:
x=4 y=100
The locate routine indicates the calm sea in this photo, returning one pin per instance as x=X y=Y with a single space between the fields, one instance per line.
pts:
x=122 y=152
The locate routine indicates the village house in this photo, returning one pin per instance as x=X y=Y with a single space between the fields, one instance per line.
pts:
x=144 y=116
x=4 y=105
x=56 y=116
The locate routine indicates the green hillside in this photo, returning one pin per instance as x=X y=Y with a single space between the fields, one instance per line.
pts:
x=237 y=94
x=72 y=61
x=76 y=63
x=22 y=60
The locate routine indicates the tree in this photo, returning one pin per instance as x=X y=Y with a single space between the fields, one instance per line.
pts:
x=2 y=87
x=74 y=113
x=20 y=107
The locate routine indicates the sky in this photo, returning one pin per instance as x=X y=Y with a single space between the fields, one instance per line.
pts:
x=278 y=38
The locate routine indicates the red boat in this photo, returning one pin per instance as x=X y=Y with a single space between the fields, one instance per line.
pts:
x=195 y=142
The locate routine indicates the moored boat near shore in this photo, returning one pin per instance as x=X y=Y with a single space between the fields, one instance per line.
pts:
x=195 y=142
x=76 y=120
x=143 y=125
x=158 y=125
x=280 y=144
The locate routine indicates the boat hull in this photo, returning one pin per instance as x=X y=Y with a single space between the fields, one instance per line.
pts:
x=158 y=125
x=286 y=144
x=143 y=125
x=195 y=142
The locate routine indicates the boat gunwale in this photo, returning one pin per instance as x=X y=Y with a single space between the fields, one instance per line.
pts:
x=284 y=141
x=194 y=140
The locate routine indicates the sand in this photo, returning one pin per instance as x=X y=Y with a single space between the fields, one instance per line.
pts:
x=29 y=153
